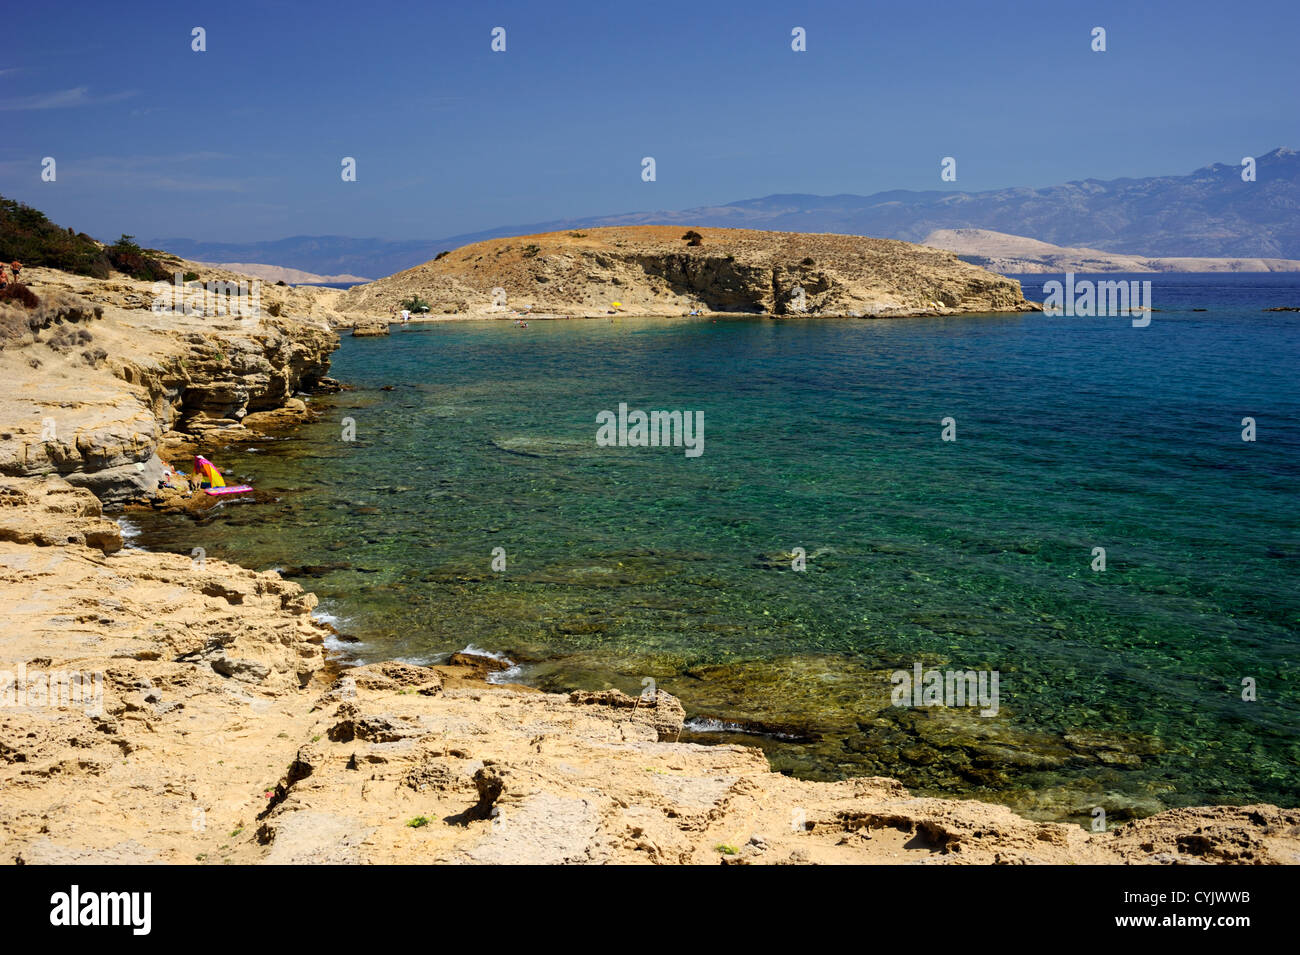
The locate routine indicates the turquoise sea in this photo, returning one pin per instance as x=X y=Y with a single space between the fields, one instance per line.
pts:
x=1119 y=688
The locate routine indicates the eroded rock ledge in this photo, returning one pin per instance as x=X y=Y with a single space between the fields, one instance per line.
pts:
x=100 y=389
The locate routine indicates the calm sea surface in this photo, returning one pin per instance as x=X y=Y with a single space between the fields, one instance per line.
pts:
x=1119 y=688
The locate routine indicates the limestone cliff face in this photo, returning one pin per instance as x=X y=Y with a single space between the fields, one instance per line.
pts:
x=661 y=270
x=97 y=385
x=215 y=380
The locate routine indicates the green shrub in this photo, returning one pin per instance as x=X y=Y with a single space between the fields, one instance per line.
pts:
x=126 y=256
x=415 y=304
x=27 y=236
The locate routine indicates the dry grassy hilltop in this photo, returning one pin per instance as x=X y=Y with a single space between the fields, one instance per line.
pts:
x=665 y=270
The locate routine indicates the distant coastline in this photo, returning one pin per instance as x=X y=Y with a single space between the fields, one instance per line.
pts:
x=287 y=275
x=1009 y=254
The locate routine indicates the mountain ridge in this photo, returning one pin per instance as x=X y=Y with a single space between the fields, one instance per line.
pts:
x=1209 y=212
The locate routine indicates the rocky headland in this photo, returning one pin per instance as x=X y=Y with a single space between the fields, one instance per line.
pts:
x=665 y=270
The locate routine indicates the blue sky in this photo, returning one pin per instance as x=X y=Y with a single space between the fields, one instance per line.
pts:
x=244 y=141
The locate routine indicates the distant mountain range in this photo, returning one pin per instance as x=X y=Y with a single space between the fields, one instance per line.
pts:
x=1208 y=213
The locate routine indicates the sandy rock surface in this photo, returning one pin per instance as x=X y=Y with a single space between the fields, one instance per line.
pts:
x=403 y=772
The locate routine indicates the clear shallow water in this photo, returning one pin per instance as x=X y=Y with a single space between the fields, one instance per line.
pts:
x=1119 y=689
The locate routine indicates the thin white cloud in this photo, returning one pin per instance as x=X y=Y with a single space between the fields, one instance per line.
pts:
x=168 y=172
x=150 y=172
x=63 y=99
x=196 y=184
x=154 y=159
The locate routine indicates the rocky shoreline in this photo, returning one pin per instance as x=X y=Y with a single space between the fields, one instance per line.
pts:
x=222 y=735
x=102 y=389
x=220 y=732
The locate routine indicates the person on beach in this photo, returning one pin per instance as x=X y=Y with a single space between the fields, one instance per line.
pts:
x=17 y=267
x=406 y=316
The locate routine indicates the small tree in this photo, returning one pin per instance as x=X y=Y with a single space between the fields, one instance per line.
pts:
x=126 y=256
x=693 y=238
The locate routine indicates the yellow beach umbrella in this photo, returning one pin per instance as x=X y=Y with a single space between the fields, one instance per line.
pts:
x=615 y=304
